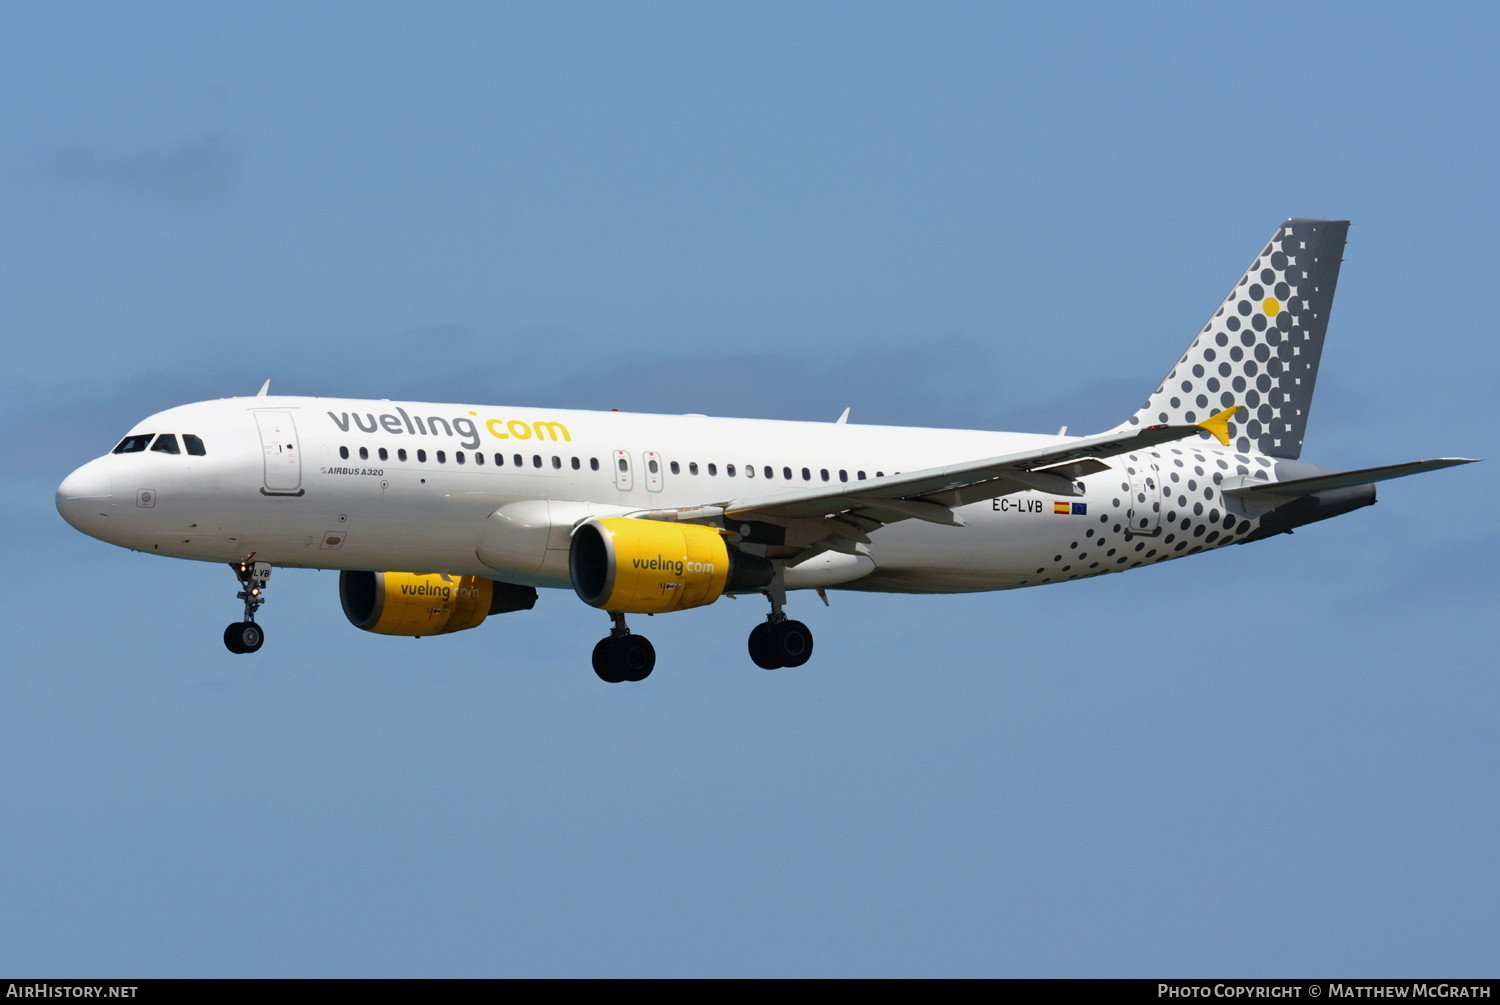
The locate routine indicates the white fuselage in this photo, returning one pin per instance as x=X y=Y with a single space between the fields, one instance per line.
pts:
x=380 y=485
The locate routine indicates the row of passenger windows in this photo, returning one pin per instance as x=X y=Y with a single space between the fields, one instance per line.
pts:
x=165 y=443
x=477 y=458
x=824 y=474
x=557 y=463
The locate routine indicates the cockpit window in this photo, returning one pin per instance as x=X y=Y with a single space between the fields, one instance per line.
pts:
x=194 y=444
x=134 y=443
x=166 y=443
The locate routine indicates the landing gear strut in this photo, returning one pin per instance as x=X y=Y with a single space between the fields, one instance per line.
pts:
x=779 y=641
x=621 y=656
x=246 y=636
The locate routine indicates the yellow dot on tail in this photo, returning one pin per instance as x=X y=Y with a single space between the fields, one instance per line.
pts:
x=1271 y=306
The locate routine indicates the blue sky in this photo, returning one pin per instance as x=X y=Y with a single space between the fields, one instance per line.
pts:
x=1269 y=760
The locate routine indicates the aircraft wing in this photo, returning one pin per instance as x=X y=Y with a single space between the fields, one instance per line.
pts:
x=839 y=517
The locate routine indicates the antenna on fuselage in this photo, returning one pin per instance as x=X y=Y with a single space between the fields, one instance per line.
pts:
x=264 y=388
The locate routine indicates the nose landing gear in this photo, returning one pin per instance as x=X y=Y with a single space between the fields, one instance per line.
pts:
x=621 y=656
x=246 y=636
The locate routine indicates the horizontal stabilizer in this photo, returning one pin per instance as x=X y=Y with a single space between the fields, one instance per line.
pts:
x=1343 y=479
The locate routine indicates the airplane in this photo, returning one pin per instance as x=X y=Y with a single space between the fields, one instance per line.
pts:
x=477 y=507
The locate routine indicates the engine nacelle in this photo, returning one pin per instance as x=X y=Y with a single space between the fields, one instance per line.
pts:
x=409 y=603
x=655 y=566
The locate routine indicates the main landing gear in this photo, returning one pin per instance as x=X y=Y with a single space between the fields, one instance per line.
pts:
x=246 y=636
x=779 y=641
x=621 y=656
x=774 y=643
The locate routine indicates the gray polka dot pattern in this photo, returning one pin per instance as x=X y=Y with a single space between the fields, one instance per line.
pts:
x=1153 y=507
x=1261 y=348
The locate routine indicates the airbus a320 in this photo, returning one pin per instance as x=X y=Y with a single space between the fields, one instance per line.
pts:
x=441 y=515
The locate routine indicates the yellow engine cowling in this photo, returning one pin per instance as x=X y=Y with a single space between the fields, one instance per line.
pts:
x=647 y=566
x=416 y=604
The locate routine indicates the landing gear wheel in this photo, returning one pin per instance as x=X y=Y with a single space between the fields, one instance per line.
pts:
x=792 y=642
x=243 y=637
x=761 y=652
x=636 y=657
x=604 y=661
x=621 y=658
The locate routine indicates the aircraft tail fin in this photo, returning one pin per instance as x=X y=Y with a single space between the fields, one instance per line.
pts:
x=1261 y=347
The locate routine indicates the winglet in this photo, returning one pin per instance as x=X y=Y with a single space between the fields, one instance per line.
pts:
x=264 y=389
x=1218 y=424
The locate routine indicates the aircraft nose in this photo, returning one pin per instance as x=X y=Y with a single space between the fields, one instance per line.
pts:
x=83 y=498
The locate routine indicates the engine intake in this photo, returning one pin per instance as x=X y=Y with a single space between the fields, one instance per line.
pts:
x=415 y=604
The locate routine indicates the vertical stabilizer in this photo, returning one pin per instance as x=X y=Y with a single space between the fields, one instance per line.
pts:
x=1261 y=348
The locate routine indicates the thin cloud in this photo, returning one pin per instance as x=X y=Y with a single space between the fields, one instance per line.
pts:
x=189 y=177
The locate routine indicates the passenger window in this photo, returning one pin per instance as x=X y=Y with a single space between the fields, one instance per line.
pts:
x=843 y=475
x=576 y=465
x=749 y=470
x=458 y=457
x=593 y=464
x=344 y=453
x=499 y=460
x=824 y=473
x=806 y=475
x=861 y=476
x=478 y=458
x=768 y=472
x=134 y=444
x=442 y=457
x=364 y=453
x=193 y=444
x=652 y=466
x=384 y=454
x=692 y=467
x=166 y=443
x=401 y=454
x=520 y=461
x=676 y=468
x=536 y=460
x=556 y=463
x=713 y=469
x=421 y=457
x=786 y=473
x=729 y=470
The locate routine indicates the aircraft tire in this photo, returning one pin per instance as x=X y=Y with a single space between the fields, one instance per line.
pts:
x=635 y=657
x=243 y=637
x=761 y=652
x=605 y=664
x=792 y=642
